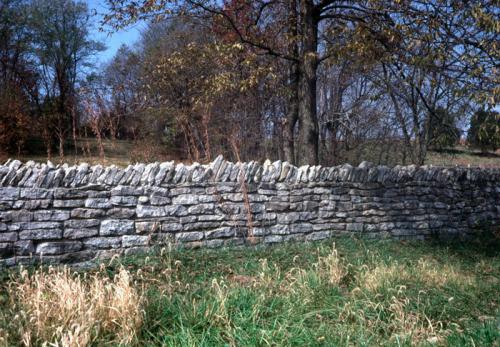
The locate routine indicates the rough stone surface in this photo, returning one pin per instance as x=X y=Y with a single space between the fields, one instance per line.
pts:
x=135 y=240
x=76 y=213
x=80 y=233
x=58 y=247
x=116 y=227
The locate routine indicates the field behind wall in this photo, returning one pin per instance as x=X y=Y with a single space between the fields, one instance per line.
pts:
x=124 y=152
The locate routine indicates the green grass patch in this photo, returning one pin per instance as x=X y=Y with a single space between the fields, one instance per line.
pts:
x=342 y=292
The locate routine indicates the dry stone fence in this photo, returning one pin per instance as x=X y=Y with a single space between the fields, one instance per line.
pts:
x=64 y=213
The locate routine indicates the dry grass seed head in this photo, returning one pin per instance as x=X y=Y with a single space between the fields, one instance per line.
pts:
x=331 y=268
x=382 y=275
x=402 y=322
x=427 y=270
x=435 y=274
x=268 y=276
x=220 y=311
x=296 y=282
x=64 y=308
x=412 y=324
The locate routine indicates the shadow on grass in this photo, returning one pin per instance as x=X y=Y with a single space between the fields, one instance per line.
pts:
x=484 y=242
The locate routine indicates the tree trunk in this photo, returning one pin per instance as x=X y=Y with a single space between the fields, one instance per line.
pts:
x=293 y=102
x=205 y=121
x=73 y=125
x=308 y=66
x=61 y=147
x=402 y=124
x=47 y=139
x=292 y=116
x=420 y=137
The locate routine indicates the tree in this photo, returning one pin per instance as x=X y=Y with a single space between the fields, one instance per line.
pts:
x=299 y=32
x=443 y=131
x=14 y=119
x=188 y=75
x=122 y=76
x=484 y=131
x=63 y=48
x=17 y=76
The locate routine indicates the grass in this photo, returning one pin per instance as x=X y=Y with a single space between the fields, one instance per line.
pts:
x=463 y=156
x=118 y=152
x=353 y=292
x=122 y=153
x=56 y=305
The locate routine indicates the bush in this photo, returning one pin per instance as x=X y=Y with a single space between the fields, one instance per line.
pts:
x=484 y=131
x=443 y=132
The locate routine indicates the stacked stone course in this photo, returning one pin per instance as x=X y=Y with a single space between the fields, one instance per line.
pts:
x=64 y=213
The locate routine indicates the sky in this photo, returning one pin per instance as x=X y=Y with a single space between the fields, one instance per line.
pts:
x=113 y=40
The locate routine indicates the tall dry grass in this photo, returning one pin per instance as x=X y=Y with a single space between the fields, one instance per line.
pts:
x=330 y=268
x=428 y=271
x=59 y=307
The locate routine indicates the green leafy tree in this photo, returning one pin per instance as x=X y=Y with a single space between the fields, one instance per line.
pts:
x=443 y=131
x=484 y=131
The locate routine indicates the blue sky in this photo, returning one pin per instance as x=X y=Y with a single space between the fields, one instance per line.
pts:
x=114 y=40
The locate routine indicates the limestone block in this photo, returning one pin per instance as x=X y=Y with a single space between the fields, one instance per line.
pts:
x=188 y=236
x=102 y=242
x=171 y=227
x=70 y=233
x=118 y=200
x=35 y=193
x=273 y=239
x=127 y=191
x=40 y=234
x=144 y=211
x=125 y=213
x=65 y=193
x=185 y=199
x=135 y=240
x=220 y=233
x=87 y=213
x=318 y=235
x=24 y=248
x=112 y=227
x=58 y=247
x=147 y=227
x=98 y=203
x=81 y=223
x=8 y=236
x=68 y=203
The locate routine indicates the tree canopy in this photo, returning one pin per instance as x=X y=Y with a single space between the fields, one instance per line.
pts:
x=307 y=81
x=423 y=45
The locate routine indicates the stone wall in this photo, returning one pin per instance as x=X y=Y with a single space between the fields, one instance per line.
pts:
x=77 y=213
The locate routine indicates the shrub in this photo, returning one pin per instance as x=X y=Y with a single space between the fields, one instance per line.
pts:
x=484 y=131
x=443 y=131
